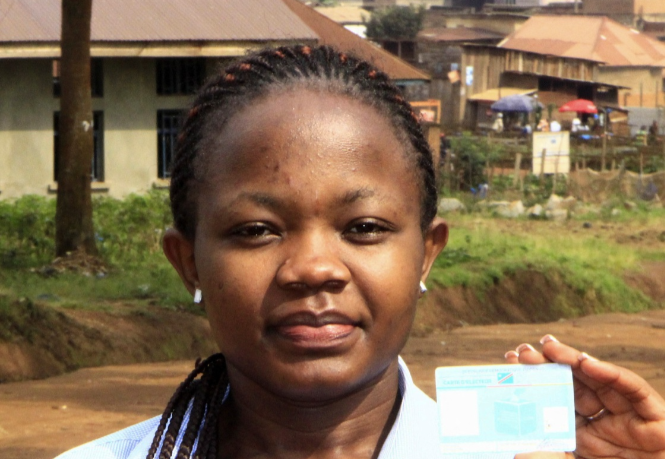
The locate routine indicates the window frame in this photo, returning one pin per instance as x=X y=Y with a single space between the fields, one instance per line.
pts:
x=168 y=127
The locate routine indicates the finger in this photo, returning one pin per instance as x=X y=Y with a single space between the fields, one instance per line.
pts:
x=636 y=392
x=512 y=357
x=587 y=401
x=528 y=355
x=544 y=455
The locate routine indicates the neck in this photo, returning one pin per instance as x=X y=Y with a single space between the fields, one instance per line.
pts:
x=257 y=423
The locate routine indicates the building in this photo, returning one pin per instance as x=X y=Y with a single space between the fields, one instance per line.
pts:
x=560 y=58
x=375 y=4
x=351 y=17
x=149 y=57
x=623 y=56
x=627 y=12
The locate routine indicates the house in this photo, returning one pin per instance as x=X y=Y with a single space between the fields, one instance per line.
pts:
x=148 y=58
x=376 y=4
x=351 y=17
x=561 y=58
x=623 y=56
x=627 y=12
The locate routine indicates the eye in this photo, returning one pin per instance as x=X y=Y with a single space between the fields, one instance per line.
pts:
x=367 y=231
x=254 y=232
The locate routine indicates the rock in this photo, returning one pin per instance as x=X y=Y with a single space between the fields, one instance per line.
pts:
x=512 y=210
x=629 y=205
x=615 y=212
x=553 y=202
x=557 y=202
x=451 y=205
x=557 y=214
x=535 y=211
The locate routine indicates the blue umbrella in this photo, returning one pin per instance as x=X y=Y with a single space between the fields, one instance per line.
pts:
x=516 y=103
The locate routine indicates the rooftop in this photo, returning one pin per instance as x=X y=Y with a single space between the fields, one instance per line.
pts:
x=458 y=34
x=592 y=38
x=152 y=28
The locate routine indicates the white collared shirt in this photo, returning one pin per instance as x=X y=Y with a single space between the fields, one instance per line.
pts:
x=413 y=435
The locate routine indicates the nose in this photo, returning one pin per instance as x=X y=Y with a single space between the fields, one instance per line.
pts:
x=313 y=262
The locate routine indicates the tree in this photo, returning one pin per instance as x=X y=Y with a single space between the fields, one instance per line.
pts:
x=73 y=226
x=395 y=23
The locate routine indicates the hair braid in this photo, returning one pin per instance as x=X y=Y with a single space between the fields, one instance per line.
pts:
x=201 y=422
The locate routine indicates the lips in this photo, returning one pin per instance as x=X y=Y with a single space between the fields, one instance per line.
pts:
x=315 y=330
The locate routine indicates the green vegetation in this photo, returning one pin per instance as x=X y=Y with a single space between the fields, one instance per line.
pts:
x=395 y=23
x=128 y=236
x=482 y=251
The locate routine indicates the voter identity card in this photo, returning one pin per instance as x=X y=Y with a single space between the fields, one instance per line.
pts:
x=497 y=411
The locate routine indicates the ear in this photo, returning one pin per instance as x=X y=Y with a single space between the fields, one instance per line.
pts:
x=436 y=239
x=180 y=252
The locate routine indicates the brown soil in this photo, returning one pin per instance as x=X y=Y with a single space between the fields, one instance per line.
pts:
x=39 y=419
x=44 y=341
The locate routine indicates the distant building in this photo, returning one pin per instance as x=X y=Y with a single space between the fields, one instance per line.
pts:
x=374 y=4
x=559 y=58
x=351 y=17
x=627 y=12
x=148 y=58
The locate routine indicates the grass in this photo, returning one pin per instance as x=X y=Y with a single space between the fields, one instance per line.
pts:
x=128 y=234
x=482 y=250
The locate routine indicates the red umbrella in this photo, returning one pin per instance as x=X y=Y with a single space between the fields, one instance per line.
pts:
x=579 y=106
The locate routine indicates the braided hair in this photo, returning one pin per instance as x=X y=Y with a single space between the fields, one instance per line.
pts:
x=256 y=76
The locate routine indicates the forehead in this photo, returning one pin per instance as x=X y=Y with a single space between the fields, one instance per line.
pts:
x=317 y=132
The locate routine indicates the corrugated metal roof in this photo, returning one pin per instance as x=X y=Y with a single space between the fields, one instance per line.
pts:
x=164 y=21
x=158 y=20
x=333 y=34
x=344 y=14
x=584 y=37
x=457 y=34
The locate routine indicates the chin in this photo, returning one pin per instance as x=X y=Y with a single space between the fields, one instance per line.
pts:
x=327 y=379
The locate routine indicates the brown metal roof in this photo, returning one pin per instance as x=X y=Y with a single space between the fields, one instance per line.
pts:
x=158 y=20
x=333 y=34
x=591 y=38
x=196 y=21
x=458 y=34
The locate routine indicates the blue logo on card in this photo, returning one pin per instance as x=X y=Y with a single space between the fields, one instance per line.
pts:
x=505 y=378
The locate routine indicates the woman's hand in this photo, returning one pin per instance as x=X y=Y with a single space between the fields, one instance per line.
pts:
x=618 y=413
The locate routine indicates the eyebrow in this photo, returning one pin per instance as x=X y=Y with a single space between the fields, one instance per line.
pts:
x=354 y=195
x=271 y=202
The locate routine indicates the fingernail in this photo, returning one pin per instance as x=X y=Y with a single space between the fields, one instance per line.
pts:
x=548 y=339
x=509 y=354
x=584 y=356
x=523 y=347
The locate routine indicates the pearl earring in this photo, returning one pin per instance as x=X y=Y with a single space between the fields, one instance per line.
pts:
x=423 y=288
x=198 y=296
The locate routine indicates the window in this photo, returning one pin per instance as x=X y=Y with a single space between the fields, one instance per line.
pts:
x=97 y=167
x=168 y=125
x=179 y=76
x=96 y=78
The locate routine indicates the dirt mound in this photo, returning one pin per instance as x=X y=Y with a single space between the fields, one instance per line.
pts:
x=524 y=297
x=37 y=341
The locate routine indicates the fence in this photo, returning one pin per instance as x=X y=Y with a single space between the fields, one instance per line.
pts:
x=505 y=162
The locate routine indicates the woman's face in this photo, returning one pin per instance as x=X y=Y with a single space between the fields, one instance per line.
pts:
x=308 y=247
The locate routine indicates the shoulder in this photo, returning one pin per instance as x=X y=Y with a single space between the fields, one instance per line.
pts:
x=128 y=443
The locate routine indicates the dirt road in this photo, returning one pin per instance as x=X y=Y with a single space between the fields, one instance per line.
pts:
x=40 y=419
